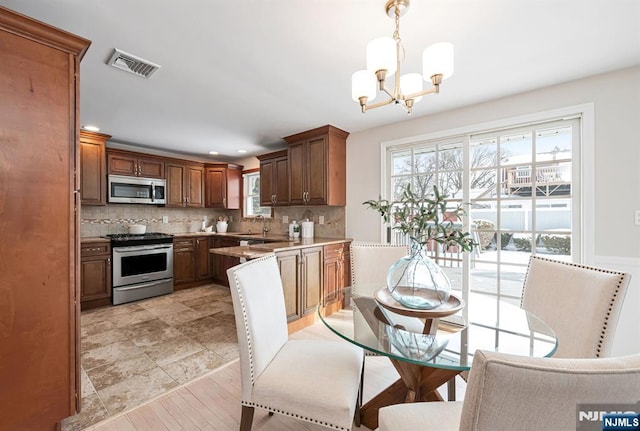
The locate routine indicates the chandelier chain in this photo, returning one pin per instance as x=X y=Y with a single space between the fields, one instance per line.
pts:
x=396 y=33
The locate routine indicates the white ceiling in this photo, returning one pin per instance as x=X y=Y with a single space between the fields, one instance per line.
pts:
x=242 y=74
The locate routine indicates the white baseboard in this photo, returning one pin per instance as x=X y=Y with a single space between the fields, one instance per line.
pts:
x=627 y=340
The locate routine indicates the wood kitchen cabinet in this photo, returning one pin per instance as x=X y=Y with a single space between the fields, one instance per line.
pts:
x=220 y=263
x=40 y=248
x=194 y=265
x=95 y=274
x=223 y=186
x=301 y=273
x=134 y=164
x=184 y=261
x=93 y=168
x=185 y=185
x=337 y=264
x=274 y=179
x=317 y=167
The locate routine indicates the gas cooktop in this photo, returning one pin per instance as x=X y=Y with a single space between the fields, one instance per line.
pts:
x=127 y=239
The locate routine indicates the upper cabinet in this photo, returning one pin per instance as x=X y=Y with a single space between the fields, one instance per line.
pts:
x=185 y=185
x=274 y=179
x=135 y=164
x=93 y=168
x=223 y=186
x=317 y=167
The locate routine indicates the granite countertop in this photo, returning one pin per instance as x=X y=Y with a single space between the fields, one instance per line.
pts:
x=93 y=239
x=255 y=251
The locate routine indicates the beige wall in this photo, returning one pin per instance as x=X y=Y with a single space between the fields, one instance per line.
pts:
x=616 y=101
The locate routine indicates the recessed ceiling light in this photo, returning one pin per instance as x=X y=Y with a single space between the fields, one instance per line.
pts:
x=213 y=153
x=242 y=151
x=91 y=128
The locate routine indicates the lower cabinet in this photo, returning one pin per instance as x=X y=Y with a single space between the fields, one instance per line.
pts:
x=220 y=263
x=192 y=262
x=334 y=271
x=184 y=261
x=301 y=272
x=95 y=274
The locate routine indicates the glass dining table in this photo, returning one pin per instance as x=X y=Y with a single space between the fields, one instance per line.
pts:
x=428 y=353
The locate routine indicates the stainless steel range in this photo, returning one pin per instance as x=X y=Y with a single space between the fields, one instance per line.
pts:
x=142 y=266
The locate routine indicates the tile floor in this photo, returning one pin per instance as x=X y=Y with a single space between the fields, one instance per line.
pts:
x=134 y=352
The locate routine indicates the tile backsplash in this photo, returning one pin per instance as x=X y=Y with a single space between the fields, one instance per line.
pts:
x=115 y=218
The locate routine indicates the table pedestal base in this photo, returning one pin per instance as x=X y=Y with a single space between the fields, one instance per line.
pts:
x=416 y=383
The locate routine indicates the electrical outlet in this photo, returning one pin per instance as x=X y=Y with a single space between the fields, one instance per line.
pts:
x=165 y=219
x=637 y=214
x=320 y=219
x=285 y=219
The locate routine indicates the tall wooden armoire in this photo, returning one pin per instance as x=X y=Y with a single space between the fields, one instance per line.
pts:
x=39 y=230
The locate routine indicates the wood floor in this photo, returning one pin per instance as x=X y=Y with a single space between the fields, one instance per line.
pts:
x=212 y=402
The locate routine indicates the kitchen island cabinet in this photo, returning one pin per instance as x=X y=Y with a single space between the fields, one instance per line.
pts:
x=317 y=167
x=40 y=247
x=310 y=269
x=93 y=168
x=301 y=275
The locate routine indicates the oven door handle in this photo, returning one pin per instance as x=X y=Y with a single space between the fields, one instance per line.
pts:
x=139 y=286
x=141 y=248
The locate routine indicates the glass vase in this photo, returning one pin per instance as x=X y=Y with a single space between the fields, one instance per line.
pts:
x=417 y=282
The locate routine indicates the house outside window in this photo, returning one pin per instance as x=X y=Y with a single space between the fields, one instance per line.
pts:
x=251 y=207
x=519 y=187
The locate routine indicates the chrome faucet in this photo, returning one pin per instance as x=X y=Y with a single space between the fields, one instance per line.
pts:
x=265 y=229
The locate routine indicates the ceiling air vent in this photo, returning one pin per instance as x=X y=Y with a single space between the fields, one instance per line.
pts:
x=132 y=64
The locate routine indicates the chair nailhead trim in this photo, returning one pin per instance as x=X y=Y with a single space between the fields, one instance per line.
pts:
x=577 y=265
x=296 y=416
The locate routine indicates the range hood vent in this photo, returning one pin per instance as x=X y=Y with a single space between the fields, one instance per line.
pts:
x=132 y=64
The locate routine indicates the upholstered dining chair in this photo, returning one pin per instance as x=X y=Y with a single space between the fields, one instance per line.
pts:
x=580 y=303
x=369 y=265
x=317 y=381
x=519 y=393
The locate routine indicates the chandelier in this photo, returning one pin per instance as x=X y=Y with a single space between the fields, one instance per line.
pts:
x=384 y=57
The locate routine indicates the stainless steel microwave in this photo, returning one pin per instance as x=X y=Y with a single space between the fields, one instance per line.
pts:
x=135 y=190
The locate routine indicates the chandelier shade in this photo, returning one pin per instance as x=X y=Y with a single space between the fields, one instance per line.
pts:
x=411 y=83
x=382 y=55
x=384 y=61
x=363 y=84
x=438 y=60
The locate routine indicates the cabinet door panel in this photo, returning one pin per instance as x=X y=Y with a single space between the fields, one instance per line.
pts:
x=92 y=172
x=267 y=170
x=297 y=182
x=281 y=181
x=151 y=168
x=288 y=262
x=184 y=261
x=312 y=278
x=215 y=188
x=316 y=171
x=195 y=190
x=122 y=165
x=175 y=185
x=95 y=274
x=233 y=191
x=203 y=258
